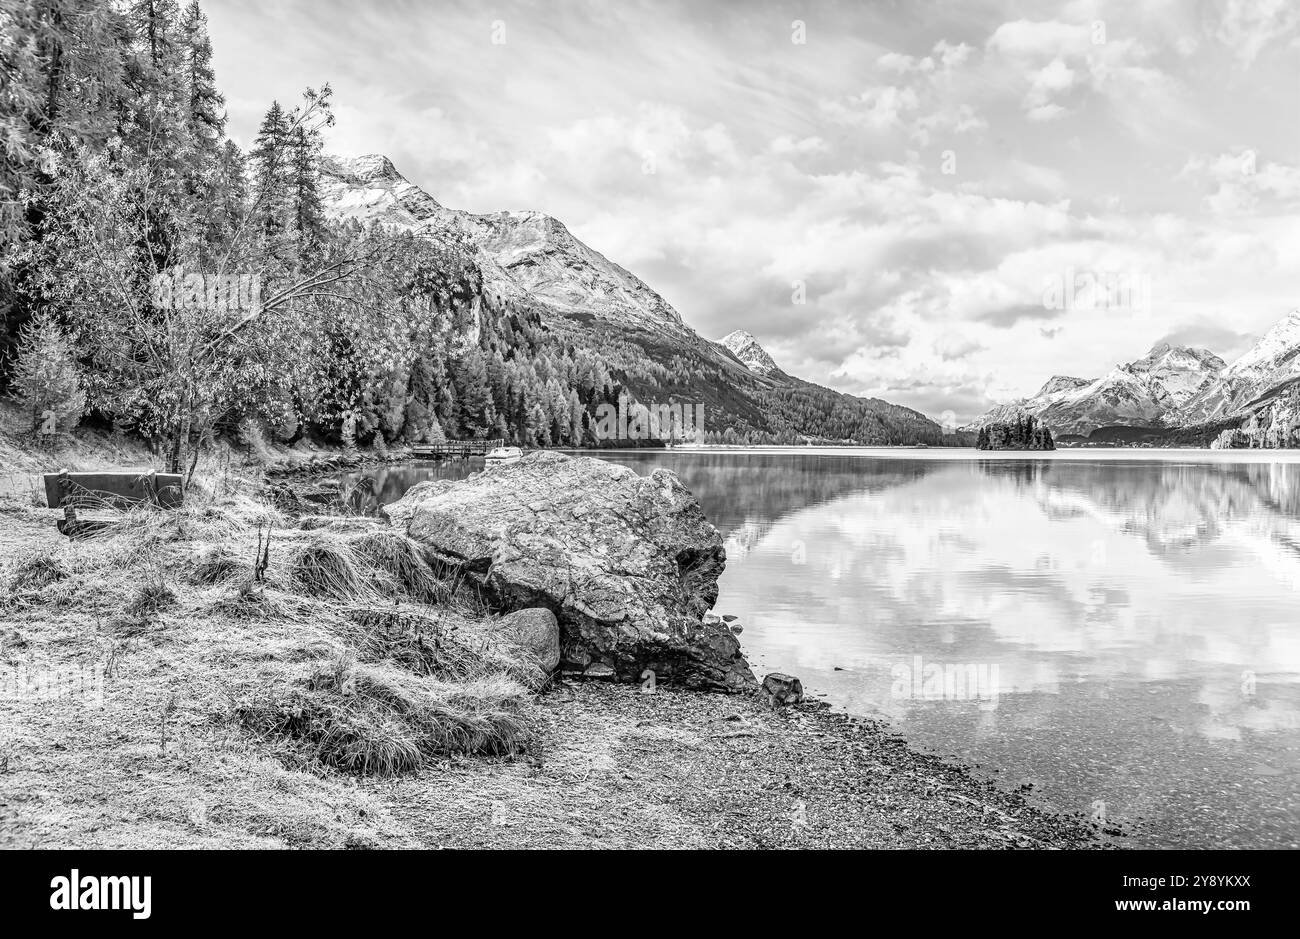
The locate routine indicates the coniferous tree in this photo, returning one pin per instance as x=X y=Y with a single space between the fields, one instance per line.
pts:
x=46 y=379
x=62 y=86
x=306 y=217
x=230 y=200
x=269 y=161
x=474 y=412
x=205 y=115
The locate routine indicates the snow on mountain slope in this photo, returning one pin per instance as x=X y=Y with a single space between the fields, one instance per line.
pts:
x=746 y=348
x=369 y=188
x=1142 y=393
x=1271 y=361
x=534 y=259
x=1056 y=387
x=520 y=252
x=549 y=262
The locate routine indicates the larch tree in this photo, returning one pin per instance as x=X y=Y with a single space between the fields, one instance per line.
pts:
x=46 y=381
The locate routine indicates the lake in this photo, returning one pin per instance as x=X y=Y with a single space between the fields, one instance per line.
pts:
x=1119 y=629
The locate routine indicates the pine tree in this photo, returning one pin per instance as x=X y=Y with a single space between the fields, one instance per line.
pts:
x=538 y=432
x=154 y=22
x=306 y=217
x=433 y=433
x=475 y=415
x=45 y=376
x=157 y=127
x=270 y=164
x=205 y=116
x=207 y=170
x=231 y=197
x=61 y=82
x=576 y=415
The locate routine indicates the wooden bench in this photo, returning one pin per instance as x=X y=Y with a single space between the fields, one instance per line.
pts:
x=72 y=491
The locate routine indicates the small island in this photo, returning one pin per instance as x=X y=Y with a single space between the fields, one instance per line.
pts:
x=1026 y=433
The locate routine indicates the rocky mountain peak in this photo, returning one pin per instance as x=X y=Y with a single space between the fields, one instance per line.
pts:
x=1272 y=361
x=1061 y=383
x=1194 y=357
x=369 y=168
x=519 y=252
x=1277 y=345
x=746 y=348
x=533 y=260
x=1144 y=392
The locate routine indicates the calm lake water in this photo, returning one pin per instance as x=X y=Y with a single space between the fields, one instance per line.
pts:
x=1119 y=628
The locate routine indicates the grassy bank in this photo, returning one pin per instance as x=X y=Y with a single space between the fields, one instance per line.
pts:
x=331 y=691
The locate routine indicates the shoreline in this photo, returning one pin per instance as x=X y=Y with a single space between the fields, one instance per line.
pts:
x=683 y=769
x=674 y=769
x=615 y=767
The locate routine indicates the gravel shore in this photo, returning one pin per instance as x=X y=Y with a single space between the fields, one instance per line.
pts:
x=675 y=769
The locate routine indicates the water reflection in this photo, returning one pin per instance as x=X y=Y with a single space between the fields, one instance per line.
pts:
x=1136 y=616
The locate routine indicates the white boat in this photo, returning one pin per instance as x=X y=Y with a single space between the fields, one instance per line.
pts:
x=504 y=455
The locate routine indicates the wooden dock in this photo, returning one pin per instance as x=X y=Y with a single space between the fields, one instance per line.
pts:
x=455 y=449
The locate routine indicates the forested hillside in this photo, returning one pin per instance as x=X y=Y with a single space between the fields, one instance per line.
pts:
x=118 y=172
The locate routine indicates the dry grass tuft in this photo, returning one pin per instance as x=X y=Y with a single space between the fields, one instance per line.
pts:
x=35 y=572
x=377 y=720
x=441 y=645
x=401 y=561
x=214 y=565
x=150 y=598
x=325 y=568
x=250 y=601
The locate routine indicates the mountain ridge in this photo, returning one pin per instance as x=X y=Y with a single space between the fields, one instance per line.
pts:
x=586 y=300
x=528 y=250
x=1183 y=394
x=1271 y=361
x=1141 y=393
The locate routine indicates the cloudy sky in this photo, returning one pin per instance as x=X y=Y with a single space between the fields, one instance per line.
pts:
x=925 y=177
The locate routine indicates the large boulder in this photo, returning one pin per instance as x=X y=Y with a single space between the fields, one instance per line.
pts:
x=628 y=564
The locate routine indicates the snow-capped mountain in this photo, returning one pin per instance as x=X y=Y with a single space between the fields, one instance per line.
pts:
x=369 y=188
x=1270 y=362
x=519 y=252
x=746 y=348
x=1142 y=393
x=534 y=262
x=1057 y=387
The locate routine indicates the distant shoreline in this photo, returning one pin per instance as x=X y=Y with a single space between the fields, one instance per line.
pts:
x=948 y=453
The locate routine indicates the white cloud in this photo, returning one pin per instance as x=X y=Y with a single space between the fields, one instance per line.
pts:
x=1052 y=79
x=774 y=162
x=877 y=108
x=1245 y=184
x=786 y=145
x=1247 y=26
x=1053 y=58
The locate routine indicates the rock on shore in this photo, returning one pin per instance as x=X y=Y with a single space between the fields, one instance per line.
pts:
x=628 y=564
